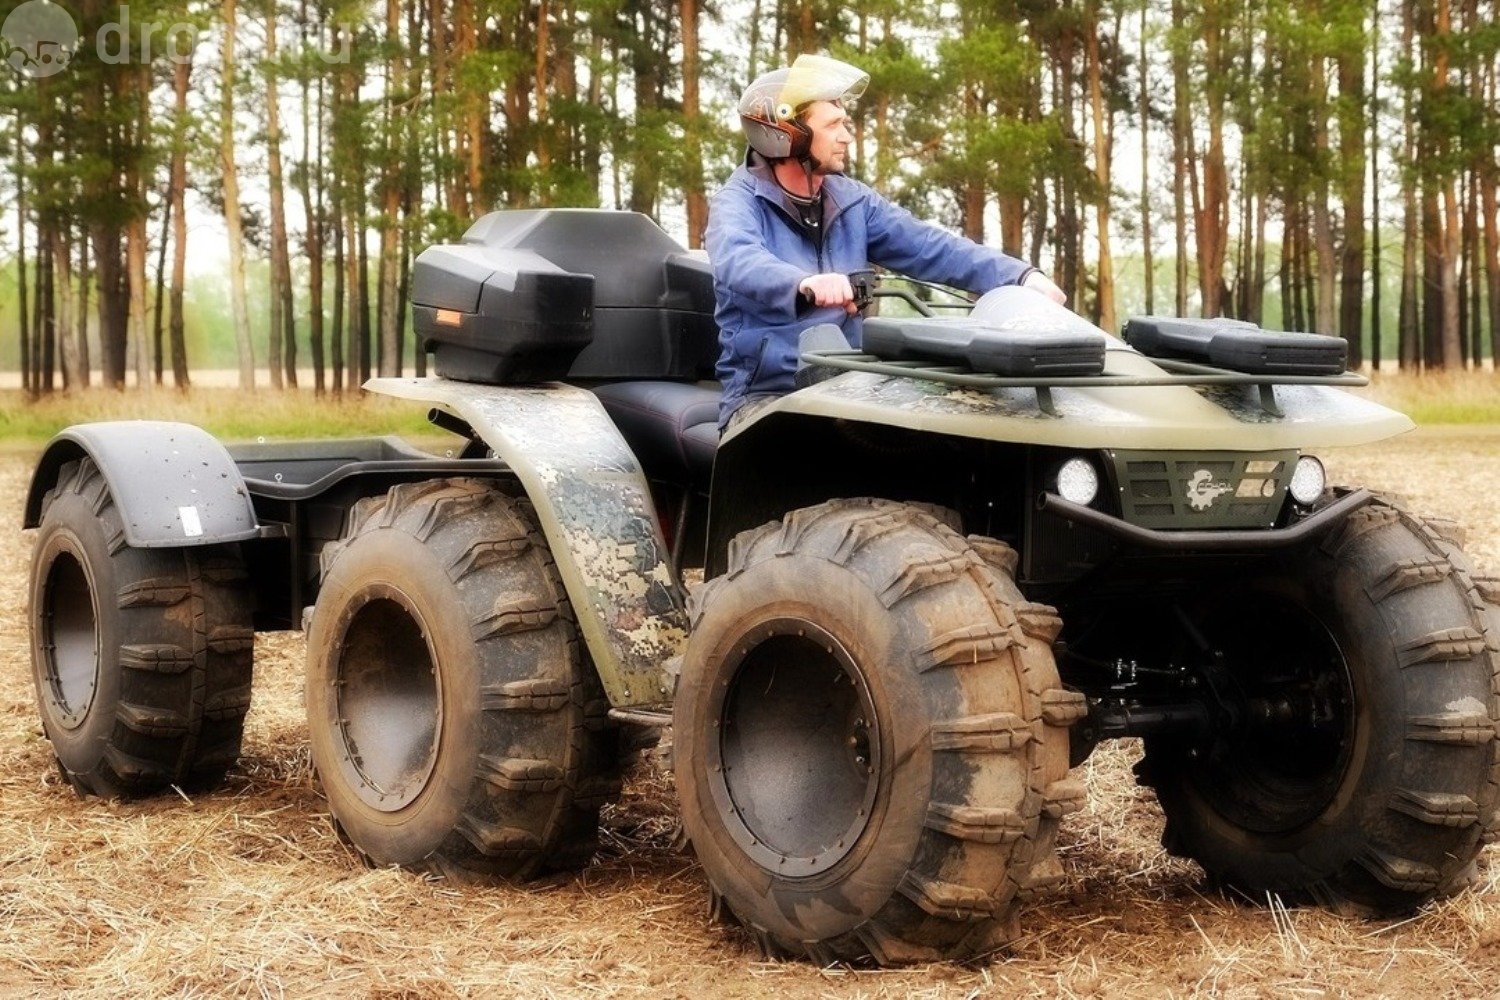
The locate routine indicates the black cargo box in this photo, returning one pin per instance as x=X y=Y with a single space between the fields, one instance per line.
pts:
x=1236 y=345
x=499 y=315
x=565 y=293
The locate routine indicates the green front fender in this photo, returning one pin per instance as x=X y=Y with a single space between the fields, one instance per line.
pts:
x=594 y=508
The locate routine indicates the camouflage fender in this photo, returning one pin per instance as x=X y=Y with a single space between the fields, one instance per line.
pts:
x=595 y=509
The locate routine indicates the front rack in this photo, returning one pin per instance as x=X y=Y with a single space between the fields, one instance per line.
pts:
x=1184 y=373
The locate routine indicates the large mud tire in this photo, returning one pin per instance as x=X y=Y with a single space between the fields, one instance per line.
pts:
x=871 y=738
x=141 y=658
x=1389 y=806
x=455 y=725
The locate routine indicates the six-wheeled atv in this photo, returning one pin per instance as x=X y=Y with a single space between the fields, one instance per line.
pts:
x=935 y=577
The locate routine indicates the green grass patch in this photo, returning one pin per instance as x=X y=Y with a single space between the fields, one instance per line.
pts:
x=229 y=414
x=1440 y=397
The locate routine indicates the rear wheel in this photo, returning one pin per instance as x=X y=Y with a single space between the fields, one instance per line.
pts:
x=1359 y=768
x=871 y=739
x=455 y=725
x=141 y=657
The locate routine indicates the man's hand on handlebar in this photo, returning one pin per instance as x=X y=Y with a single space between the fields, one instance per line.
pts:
x=830 y=289
x=1039 y=282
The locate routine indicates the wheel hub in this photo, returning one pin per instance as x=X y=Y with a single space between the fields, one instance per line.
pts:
x=1281 y=762
x=796 y=766
x=70 y=640
x=389 y=700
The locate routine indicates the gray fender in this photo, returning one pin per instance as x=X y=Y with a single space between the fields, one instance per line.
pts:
x=174 y=484
x=594 y=508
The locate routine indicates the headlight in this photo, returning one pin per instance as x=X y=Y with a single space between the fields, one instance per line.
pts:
x=1077 y=482
x=1307 y=480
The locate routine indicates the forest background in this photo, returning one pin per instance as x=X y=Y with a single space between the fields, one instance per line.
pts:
x=1324 y=165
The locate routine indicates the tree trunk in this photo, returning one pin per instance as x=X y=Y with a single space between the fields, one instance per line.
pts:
x=1490 y=207
x=1352 y=153
x=43 y=323
x=313 y=212
x=1443 y=241
x=467 y=29
x=1213 y=214
x=24 y=325
x=135 y=232
x=1102 y=154
x=135 y=261
x=696 y=198
x=365 y=323
x=85 y=282
x=390 y=189
x=1180 y=126
x=1432 y=276
x=1376 y=347
x=1409 y=346
x=1472 y=322
x=1072 y=273
x=1257 y=306
x=411 y=199
x=1326 y=319
x=645 y=175
x=67 y=315
x=283 y=356
x=1145 y=127
x=159 y=298
x=176 y=186
x=237 y=294
x=336 y=349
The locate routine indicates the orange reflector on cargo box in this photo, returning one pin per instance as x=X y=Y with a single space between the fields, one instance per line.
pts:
x=450 y=317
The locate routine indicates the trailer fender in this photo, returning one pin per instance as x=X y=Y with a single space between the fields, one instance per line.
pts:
x=174 y=484
x=595 y=509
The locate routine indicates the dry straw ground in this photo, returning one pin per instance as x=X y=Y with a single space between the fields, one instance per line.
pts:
x=247 y=892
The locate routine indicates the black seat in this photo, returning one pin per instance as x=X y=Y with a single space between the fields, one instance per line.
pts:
x=672 y=427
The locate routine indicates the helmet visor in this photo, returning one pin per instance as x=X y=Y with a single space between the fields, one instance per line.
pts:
x=819 y=78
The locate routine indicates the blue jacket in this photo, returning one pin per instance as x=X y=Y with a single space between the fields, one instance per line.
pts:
x=759 y=257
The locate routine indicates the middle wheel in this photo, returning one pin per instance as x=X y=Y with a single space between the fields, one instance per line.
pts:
x=454 y=724
x=871 y=739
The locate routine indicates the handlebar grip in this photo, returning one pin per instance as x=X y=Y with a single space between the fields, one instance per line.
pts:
x=863 y=282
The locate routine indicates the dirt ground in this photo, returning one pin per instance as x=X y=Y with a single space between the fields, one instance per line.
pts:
x=246 y=891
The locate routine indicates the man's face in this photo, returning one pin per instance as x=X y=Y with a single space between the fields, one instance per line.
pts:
x=831 y=135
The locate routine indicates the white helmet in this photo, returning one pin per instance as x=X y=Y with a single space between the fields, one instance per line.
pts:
x=770 y=107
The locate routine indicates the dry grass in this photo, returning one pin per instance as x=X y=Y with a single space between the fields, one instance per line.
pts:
x=247 y=892
x=230 y=414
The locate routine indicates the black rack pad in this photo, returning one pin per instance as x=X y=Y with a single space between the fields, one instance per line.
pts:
x=1011 y=332
x=1236 y=345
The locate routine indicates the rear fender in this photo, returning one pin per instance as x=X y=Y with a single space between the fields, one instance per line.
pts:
x=174 y=484
x=594 y=507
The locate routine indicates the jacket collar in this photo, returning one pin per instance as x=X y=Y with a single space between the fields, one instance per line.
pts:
x=839 y=192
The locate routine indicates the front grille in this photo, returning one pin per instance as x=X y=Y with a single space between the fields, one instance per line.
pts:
x=1202 y=490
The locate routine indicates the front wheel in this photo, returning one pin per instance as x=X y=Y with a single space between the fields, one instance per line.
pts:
x=1359 y=766
x=871 y=742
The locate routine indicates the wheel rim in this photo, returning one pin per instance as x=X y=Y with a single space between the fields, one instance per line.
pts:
x=388 y=701
x=1282 y=762
x=796 y=765
x=70 y=639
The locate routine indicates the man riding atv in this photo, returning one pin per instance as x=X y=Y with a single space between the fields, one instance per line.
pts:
x=788 y=228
